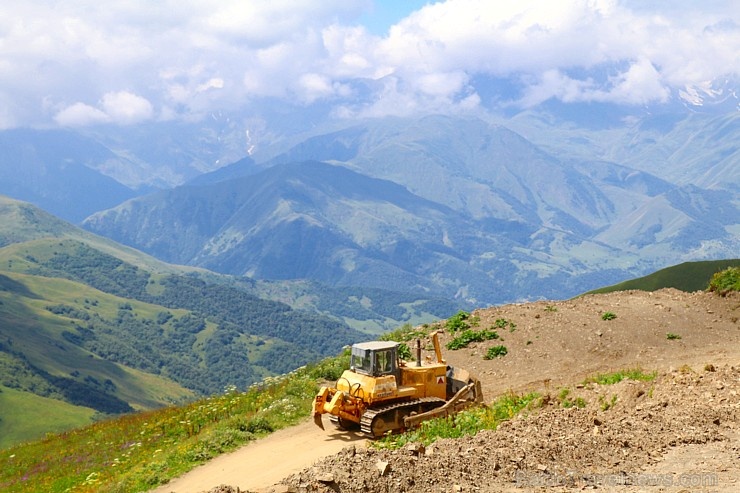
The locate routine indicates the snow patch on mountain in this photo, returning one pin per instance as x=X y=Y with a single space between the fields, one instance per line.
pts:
x=717 y=92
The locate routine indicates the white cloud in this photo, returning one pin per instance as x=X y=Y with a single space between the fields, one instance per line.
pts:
x=80 y=115
x=349 y=52
x=554 y=84
x=190 y=57
x=498 y=37
x=125 y=107
x=262 y=23
x=640 y=84
x=314 y=86
x=116 y=107
x=391 y=99
x=213 y=83
x=549 y=42
x=442 y=84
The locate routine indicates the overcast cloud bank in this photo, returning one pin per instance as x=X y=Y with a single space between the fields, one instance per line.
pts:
x=134 y=61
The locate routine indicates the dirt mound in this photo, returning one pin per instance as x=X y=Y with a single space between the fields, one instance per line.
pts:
x=226 y=489
x=558 y=343
x=561 y=447
x=676 y=433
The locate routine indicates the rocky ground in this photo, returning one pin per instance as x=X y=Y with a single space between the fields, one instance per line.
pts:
x=677 y=433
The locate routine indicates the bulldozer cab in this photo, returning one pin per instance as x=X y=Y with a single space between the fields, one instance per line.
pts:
x=375 y=358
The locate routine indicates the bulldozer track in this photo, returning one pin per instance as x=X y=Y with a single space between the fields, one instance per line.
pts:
x=369 y=423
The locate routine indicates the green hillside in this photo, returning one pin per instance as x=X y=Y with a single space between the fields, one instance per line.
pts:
x=73 y=317
x=103 y=330
x=41 y=357
x=688 y=276
x=22 y=222
x=27 y=416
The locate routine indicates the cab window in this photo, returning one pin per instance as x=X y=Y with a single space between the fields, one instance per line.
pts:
x=383 y=362
x=361 y=361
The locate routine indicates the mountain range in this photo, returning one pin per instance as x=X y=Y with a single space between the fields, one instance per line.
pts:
x=461 y=208
x=546 y=202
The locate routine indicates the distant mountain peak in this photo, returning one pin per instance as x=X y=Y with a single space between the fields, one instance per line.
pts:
x=719 y=92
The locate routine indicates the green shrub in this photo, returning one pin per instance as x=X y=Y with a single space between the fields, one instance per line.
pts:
x=616 y=377
x=605 y=405
x=468 y=422
x=725 y=281
x=330 y=368
x=468 y=336
x=502 y=323
x=496 y=352
x=578 y=402
x=259 y=424
x=404 y=351
x=458 y=321
x=672 y=337
x=608 y=316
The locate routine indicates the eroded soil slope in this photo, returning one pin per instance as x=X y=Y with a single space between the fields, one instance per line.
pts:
x=693 y=414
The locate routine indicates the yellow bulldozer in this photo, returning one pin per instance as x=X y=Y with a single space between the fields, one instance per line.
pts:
x=382 y=393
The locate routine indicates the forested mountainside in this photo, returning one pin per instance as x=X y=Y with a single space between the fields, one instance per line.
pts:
x=82 y=326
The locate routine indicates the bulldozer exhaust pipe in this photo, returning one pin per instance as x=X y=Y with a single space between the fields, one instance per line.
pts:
x=418 y=352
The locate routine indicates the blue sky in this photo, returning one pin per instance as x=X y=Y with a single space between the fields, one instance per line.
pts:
x=81 y=63
x=382 y=14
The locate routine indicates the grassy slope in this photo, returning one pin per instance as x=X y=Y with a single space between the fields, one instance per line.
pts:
x=28 y=329
x=37 y=334
x=688 y=276
x=25 y=416
x=140 y=451
x=32 y=338
x=22 y=222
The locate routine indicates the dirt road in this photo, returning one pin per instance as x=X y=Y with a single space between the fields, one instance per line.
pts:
x=262 y=464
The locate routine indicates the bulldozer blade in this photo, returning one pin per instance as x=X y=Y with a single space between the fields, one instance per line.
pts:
x=317 y=420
